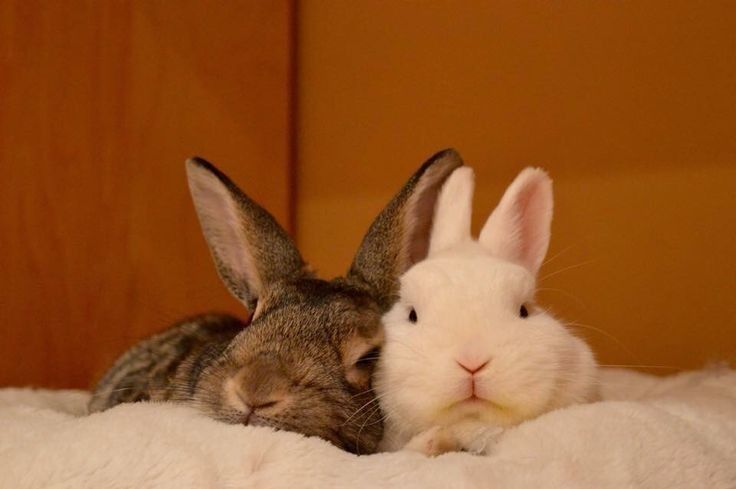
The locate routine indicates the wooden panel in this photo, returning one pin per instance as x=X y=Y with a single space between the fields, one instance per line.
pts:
x=101 y=104
x=630 y=105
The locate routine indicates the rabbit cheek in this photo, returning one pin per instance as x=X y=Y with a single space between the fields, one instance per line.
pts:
x=406 y=392
x=230 y=395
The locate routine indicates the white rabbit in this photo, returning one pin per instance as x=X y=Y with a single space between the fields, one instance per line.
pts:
x=467 y=352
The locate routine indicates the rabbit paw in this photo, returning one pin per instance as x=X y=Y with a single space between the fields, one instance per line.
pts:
x=476 y=439
x=434 y=441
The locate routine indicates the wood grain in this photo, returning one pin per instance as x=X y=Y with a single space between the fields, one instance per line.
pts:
x=101 y=104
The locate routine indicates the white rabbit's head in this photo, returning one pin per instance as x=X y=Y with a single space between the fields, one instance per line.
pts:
x=465 y=340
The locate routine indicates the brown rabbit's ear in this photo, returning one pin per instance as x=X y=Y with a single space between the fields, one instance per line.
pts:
x=399 y=237
x=249 y=248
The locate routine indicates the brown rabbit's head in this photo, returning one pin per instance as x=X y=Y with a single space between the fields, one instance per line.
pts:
x=305 y=360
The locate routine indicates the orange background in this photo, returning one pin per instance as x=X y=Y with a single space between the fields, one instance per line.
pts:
x=630 y=106
x=101 y=103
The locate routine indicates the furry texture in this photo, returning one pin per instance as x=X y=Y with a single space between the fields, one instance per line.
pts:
x=304 y=361
x=465 y=347
x=672 y=433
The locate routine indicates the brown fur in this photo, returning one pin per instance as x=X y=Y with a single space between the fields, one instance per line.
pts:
x=305 y=361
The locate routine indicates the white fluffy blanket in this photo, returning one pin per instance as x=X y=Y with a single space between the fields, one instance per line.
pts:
x=677 y=432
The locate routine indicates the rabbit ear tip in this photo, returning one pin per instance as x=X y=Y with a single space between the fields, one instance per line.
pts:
x=449 y=154
x=198 y=169
x=465 y=171
x=535 y=171
x=198 y=162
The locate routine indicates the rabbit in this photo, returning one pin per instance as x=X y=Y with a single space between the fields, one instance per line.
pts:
x=303 y=359
x=467 y=352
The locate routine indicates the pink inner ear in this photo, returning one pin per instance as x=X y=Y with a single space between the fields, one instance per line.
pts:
x=533 y=211
x=518 y=229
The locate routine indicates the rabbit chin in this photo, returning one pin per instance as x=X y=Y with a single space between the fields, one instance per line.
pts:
x=482 y=411
x=451 y=409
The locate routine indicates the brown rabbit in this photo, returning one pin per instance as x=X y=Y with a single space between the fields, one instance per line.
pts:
x=303 y=361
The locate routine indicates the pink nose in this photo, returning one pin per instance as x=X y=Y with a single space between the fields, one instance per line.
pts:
x=472 y=367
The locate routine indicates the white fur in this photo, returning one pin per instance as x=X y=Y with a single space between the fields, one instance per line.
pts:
x=453 y=211
x=467 y=295
x=518 y=229
x=672 y=433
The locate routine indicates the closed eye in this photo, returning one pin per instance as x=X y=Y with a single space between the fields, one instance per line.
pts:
x=368 y=358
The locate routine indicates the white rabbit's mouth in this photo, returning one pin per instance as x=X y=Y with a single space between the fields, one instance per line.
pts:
x=478 y=408
x=477 y=401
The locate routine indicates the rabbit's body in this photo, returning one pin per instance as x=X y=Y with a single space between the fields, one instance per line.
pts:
x=303 y=362
x=168 y=365
x=467 y=352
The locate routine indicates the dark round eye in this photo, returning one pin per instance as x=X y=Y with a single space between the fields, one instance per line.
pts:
x=413 y=315
x=523 y=311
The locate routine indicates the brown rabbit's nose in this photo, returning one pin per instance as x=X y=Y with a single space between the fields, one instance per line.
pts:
x=472 y=367
x=262 y=383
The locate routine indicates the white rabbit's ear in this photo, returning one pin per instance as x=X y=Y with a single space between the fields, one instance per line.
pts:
x=518 y=229
x=453 y=211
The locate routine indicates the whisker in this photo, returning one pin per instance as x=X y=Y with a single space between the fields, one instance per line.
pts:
x=566 y=294
x=565 y=269
x=120 y=389
x=361 y=393
x=374 y=400
x=606 y=334
x=410 y=347
x=359 y=410
x=367 y=359
x=668 y=367
x=360 y=430
x=379 y=420
x=556 y=255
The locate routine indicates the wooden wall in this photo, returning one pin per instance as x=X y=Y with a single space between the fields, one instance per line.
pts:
x=101 y=102
x=630 y=105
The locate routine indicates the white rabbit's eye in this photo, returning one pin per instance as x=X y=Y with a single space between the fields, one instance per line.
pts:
x=413 y=315
x=523 y=311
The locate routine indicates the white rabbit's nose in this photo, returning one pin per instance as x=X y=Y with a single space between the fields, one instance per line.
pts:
x=472 y=366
